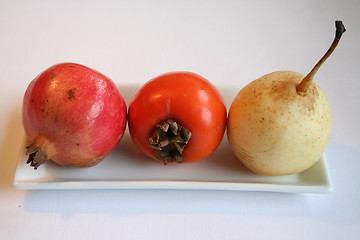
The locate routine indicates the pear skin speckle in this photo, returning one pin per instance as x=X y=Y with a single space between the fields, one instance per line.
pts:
x=275 y=131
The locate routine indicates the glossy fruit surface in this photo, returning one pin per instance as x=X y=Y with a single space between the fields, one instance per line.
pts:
x=190 y=101
x=72 y=115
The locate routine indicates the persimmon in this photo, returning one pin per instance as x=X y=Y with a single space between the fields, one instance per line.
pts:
x=178 y=117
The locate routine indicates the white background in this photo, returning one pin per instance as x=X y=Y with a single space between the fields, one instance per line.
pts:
x=225 y=41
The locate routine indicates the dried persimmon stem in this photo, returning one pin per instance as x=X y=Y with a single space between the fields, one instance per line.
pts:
x=169 y=140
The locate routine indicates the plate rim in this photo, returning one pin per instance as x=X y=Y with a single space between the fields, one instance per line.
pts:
x=170 y=184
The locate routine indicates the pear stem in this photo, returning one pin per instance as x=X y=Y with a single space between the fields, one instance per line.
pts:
x=303 y=86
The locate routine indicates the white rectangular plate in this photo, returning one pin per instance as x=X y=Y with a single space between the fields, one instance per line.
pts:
x=127 y=168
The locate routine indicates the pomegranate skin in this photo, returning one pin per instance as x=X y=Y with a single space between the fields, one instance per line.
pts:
x=72 y=115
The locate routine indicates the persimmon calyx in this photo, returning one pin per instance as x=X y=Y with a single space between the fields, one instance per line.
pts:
x=169 y=140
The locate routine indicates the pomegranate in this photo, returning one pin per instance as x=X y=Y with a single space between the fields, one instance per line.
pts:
x=72 y=115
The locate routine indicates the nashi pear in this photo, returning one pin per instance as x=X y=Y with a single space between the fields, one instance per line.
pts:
x=280 y=124
x=275 y=131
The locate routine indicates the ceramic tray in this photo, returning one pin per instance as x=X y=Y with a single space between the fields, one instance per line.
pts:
x=127 y=168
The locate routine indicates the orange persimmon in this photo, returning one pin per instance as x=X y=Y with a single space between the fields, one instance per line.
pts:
x=178 y=117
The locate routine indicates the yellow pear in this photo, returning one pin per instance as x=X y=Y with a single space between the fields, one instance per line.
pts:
x=280 y=124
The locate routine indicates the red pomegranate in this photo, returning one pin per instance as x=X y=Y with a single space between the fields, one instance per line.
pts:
x=72 y=115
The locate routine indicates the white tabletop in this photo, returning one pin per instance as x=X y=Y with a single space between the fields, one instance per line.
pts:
x=225 y=41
